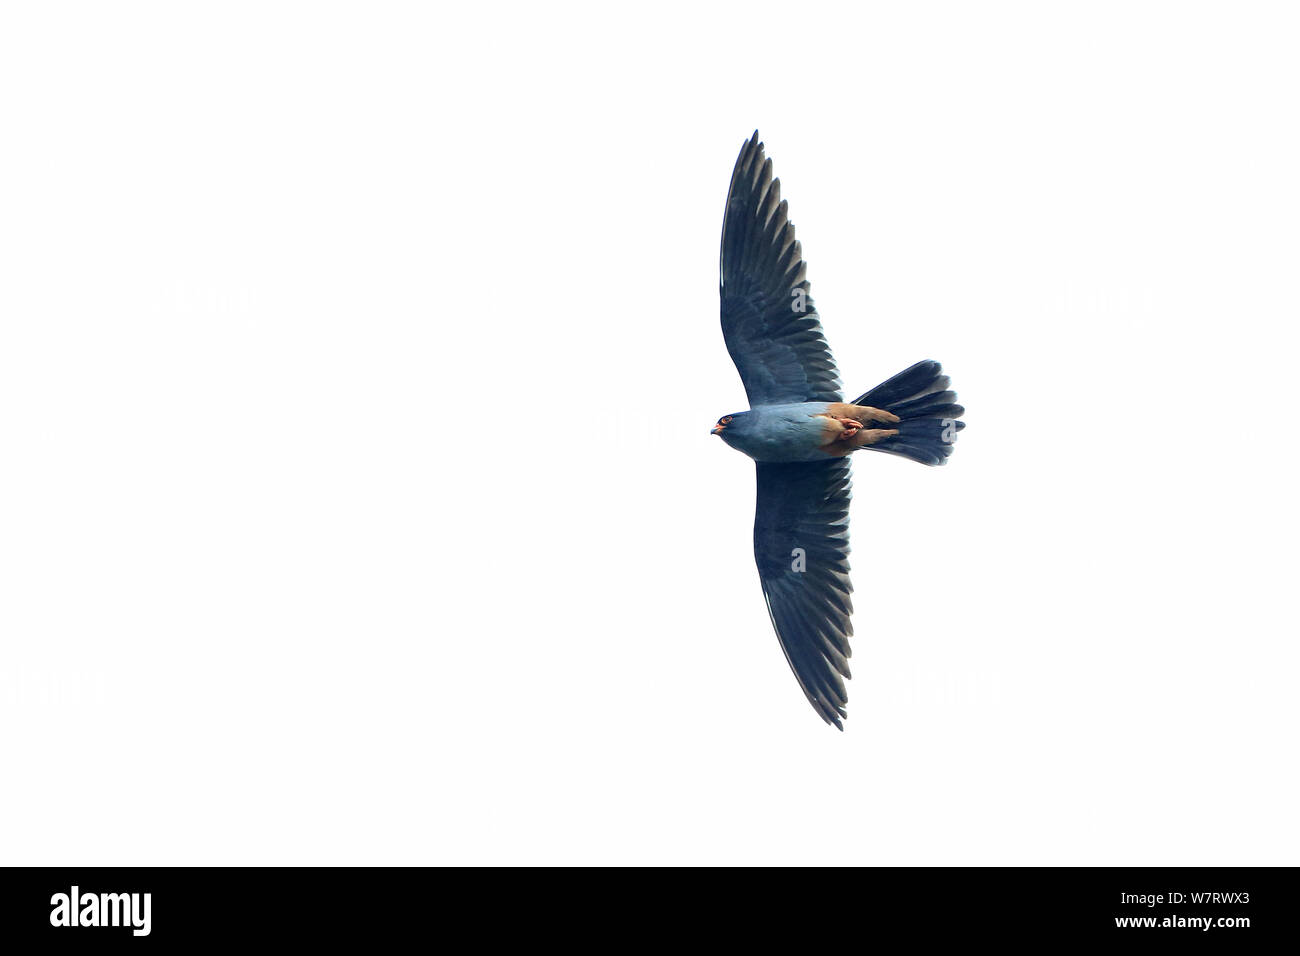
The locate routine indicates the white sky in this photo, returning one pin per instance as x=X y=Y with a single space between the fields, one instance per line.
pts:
x=356 y=372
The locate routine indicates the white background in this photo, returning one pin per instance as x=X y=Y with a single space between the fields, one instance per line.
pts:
x=356 y=372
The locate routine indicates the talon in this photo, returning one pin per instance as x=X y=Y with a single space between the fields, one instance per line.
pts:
x=851 y=427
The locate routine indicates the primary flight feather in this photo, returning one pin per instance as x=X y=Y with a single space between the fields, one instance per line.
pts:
x=800 y=431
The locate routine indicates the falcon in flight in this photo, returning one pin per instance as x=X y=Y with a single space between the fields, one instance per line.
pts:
x=800 y=431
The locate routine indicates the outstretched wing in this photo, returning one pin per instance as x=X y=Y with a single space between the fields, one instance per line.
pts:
x=768 y=318
x=801 y=546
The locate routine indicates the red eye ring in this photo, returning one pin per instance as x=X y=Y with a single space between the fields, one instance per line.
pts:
x=726 y=420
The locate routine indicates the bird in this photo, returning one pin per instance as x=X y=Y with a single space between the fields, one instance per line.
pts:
x=800 y=431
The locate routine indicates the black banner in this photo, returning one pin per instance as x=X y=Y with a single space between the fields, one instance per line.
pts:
x=136 y=907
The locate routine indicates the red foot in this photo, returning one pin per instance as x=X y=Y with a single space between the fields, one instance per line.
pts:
x=851 y=427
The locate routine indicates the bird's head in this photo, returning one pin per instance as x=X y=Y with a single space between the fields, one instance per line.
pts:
x=731 y=426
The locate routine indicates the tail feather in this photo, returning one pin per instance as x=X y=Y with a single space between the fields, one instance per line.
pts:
x=921 y=378
x=940 y=404
x=928 y=410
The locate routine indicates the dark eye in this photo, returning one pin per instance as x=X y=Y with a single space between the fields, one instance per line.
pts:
x=726 y=420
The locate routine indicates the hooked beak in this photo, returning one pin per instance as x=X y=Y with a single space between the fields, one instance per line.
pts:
x=717 y=429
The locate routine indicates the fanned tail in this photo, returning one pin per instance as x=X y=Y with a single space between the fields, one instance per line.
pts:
x=928 y=410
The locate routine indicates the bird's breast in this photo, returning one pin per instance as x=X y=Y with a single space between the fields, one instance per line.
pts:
x=785 y=433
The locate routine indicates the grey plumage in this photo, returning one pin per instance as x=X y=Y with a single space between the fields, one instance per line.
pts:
x=799 y=431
